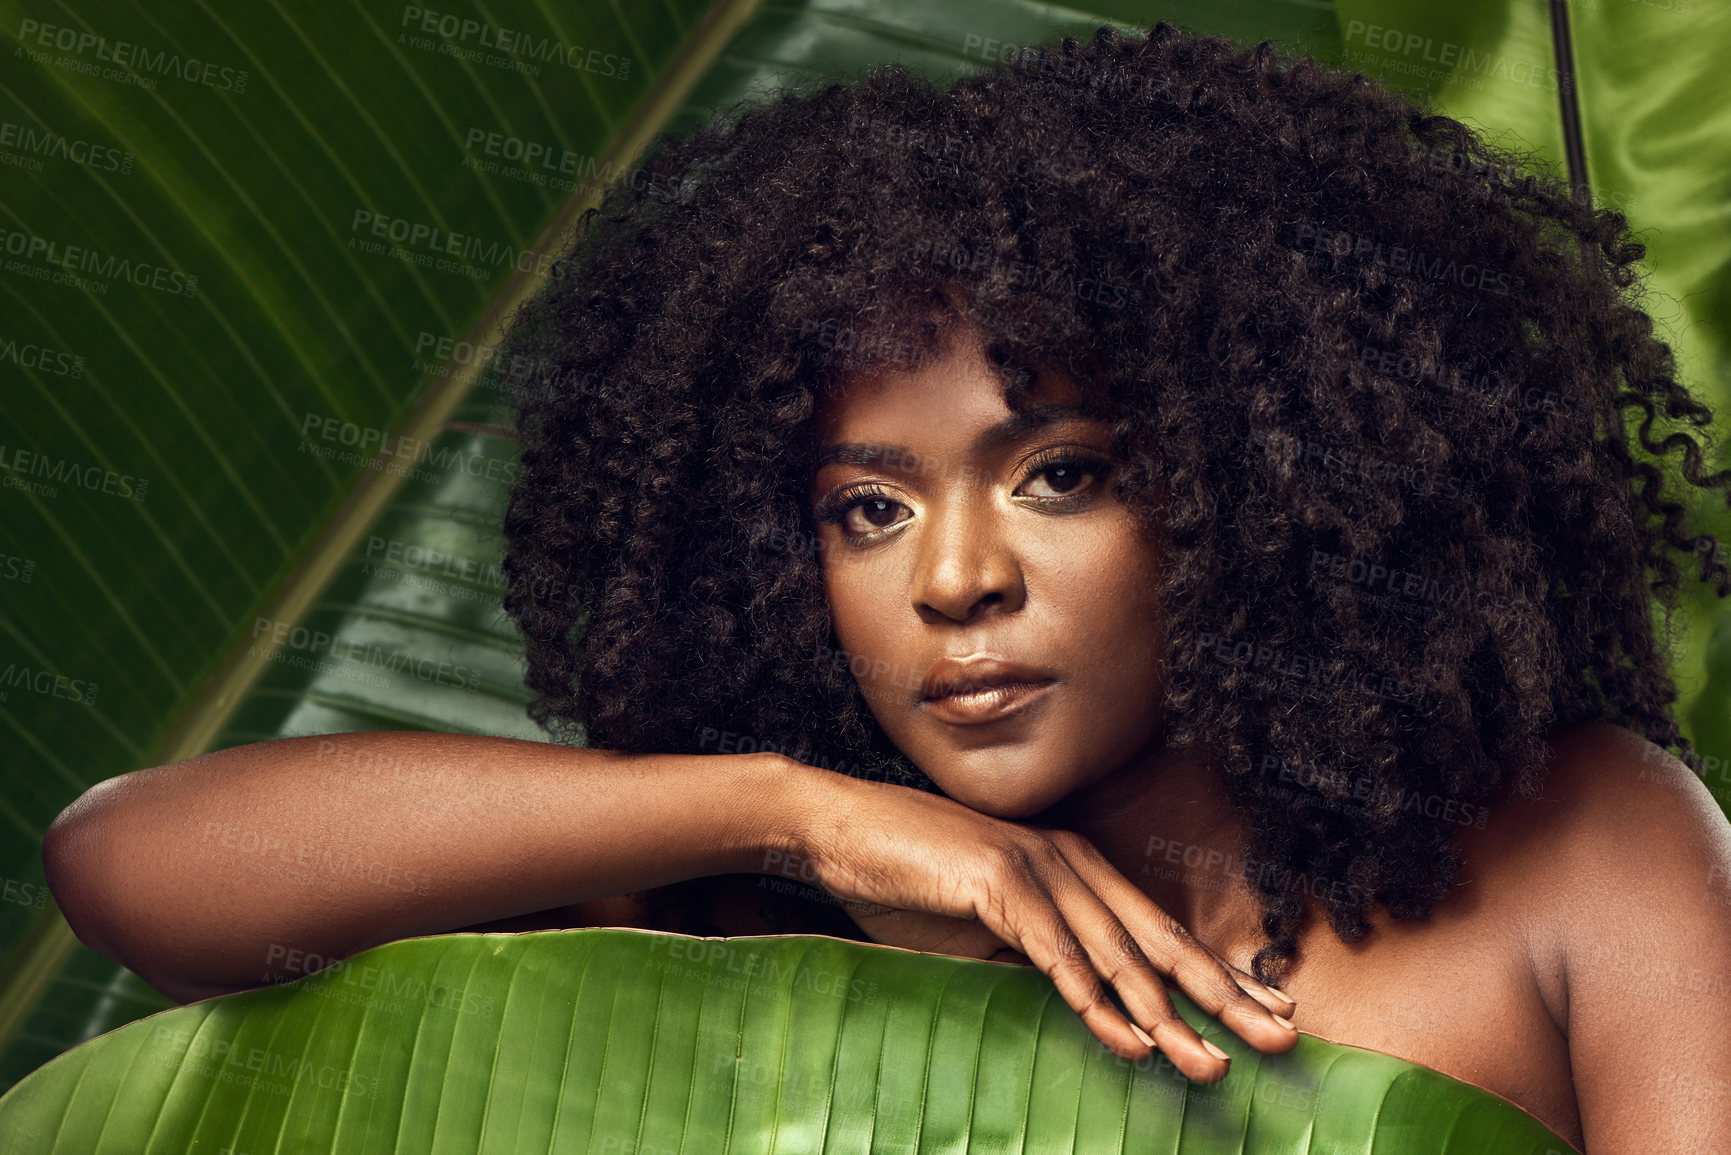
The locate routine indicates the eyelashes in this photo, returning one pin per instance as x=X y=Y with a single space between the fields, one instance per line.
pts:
x=838 y=506
x=1066 y=467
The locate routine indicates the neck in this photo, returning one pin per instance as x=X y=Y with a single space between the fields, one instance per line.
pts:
x=1164 y=821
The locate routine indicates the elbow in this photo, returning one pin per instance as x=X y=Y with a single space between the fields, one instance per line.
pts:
x=96 y=875
x=79 y=850
x=73 y=859
x=97 y=856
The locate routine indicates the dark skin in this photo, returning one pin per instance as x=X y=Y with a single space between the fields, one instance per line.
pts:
x=954 y=547
x=978 y=551
x=1580 y=969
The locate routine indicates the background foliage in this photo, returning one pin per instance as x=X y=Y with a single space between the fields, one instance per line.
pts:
x=187 y=432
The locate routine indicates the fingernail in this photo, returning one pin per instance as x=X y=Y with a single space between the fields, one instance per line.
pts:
x=1143 y=1035
x=1215 y=1051
x=1285 y=1022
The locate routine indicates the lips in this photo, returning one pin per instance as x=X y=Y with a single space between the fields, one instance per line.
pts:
x=981 y=688
x=977 y=672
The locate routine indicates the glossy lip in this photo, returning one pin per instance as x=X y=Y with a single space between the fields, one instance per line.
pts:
x=980 y=688
x=993 y=704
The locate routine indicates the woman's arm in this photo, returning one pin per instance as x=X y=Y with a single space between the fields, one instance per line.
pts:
x=238 y=867
x=263 y=862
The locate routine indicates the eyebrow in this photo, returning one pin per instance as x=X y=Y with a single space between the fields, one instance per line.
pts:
x=1011 y=428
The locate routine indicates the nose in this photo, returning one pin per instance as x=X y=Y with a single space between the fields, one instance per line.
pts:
x=965 y=563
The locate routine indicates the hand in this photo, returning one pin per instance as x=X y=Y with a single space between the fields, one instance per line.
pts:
x=970 y=938
x=957 y=881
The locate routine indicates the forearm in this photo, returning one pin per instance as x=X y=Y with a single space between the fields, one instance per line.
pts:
x=207 y=873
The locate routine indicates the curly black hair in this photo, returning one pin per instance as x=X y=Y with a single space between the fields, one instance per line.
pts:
x=1366 y=374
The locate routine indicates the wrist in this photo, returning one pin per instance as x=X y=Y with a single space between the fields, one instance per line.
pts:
x=796 y=802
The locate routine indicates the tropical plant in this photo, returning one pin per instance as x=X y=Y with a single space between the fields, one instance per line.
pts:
x=642 y=1043
x=253 y=260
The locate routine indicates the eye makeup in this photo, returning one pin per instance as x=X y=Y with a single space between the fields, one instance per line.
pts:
x=1060 y=466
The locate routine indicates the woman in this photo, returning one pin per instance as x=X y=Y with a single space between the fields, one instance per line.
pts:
x=1199 y=475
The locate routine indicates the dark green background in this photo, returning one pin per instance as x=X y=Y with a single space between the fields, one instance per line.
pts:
x=255 y=192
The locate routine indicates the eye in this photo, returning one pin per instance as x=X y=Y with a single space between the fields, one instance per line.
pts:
x=867 y=511
x=1066 y=473
x=861 y=511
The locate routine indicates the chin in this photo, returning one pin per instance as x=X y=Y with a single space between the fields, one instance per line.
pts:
x=1010 y=796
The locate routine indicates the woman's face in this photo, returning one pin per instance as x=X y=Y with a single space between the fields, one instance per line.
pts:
x=958 y=536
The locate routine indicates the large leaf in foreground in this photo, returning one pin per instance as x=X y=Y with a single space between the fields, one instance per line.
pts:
x=633 y=1041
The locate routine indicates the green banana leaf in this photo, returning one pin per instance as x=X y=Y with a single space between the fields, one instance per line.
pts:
x=643 y=1043
x=192 y=458
x=198 y=547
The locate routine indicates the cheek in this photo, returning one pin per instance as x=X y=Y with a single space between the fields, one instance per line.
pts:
x=1103 y=586
x=862 y=610
x=1103 y=615
x=1092 y=610
x=852 y=600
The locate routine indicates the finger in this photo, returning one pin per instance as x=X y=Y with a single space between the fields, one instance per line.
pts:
x=1064 y=957
x=1042 y=930
x=1120 y=958
x=1212 y=985
x=1171 y=949
x=1273 y=998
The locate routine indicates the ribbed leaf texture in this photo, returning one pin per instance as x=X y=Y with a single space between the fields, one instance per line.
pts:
x=613 y=1040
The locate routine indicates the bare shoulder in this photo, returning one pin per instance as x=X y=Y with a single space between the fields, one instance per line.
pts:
x=1606 y=794
x=1618 y=826
x=1626 y=858
x=1607 y=766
